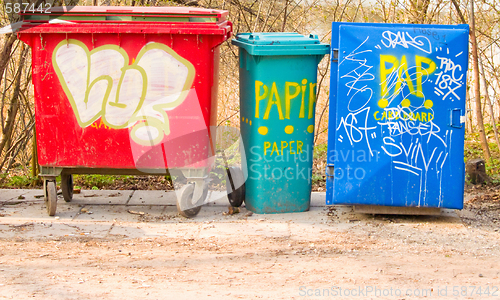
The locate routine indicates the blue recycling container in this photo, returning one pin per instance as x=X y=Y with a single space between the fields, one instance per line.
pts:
x=397 y=115
x=278 y=79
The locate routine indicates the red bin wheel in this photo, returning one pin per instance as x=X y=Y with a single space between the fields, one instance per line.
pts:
x=50 y=196
x=186 y=205
x=67 y=187
x=235 y=186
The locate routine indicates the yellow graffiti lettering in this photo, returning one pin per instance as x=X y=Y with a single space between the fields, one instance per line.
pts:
x=422 y=72
x=407 y=78
x=280 y=148
x=99 y=125
x=403 y=115
x=274 y=99
x=289 y=96
x=302 y=113
x=312 y=99
x=388 y=66
x=275 y=148
x=291 y=149
x=384 y=71
x=299 y=147
x=266 y=146
x=259 y=97
x=290 y=92
x=283 y=147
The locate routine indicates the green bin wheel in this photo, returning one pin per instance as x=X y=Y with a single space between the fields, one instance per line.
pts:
x=185 y=199
x=237 y=196
x=50 y=196
x=67 y=187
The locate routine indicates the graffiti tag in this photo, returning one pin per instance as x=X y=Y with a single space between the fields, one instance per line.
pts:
x=102 y=84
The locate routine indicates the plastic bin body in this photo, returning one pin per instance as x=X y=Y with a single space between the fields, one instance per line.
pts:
x=125 y=88
x=278 y=75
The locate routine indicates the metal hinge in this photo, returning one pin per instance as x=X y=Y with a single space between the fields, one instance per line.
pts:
x=329 y=171
x=334 y=55
x=456 y=113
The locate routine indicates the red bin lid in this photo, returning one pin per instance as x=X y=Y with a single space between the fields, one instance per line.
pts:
x=125 y=14
x=127 y=19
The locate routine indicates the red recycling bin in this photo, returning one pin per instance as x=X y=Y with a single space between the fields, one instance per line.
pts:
x=125 y=90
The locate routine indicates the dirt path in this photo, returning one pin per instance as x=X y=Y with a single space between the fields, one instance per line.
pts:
x=337 y=255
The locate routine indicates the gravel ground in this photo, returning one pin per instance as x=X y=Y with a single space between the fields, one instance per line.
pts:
x=327 y=253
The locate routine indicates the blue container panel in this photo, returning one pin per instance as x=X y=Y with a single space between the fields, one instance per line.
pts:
x=396 y=131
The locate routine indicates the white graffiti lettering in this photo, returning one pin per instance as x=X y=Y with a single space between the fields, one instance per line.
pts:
x=356 y=127
x=447 y=82
x=359 y=76
x=405 y=40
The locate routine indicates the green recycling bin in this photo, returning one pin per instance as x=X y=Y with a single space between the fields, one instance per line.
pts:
x=278 y=80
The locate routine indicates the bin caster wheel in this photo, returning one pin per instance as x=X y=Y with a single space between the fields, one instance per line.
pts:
x=185 y=199
x=67 y=187
x=236 y=189
x=50 y=196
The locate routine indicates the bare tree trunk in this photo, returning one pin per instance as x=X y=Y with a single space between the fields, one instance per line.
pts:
x=469 y=124
x=488 y=101
x=5 y=55
x=419 y=12
x=459 y=12
x=284 y=16
x=34 y=156
x=257 y=18
x=14 y=104
x=323 y=75
x=477 y=86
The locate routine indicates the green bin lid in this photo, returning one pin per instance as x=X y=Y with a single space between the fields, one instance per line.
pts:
x=280 y=43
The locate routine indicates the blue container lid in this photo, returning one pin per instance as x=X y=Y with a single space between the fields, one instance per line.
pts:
x=280 y=43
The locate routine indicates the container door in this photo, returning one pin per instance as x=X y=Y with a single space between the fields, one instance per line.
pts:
x=399 y=114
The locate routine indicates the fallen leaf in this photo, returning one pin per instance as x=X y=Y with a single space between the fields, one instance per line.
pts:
x=231 y=211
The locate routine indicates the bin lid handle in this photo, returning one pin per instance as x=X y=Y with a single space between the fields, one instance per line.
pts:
x=119 y=11
x=58 y=21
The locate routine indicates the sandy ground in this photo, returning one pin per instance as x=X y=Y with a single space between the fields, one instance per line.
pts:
x=98 y=247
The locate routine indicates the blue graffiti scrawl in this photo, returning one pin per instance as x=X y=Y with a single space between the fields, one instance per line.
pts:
x=396 y=131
